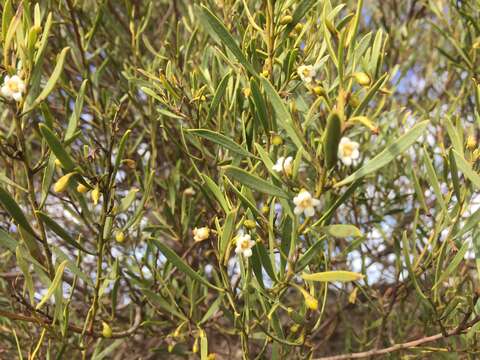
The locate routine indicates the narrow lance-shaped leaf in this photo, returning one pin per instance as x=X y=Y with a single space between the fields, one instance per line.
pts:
x=221 y=140
x=388 y=154
x=57 y=148
x=52 y=81
x=55 y=283
x=329 y=276
x=254 y=182
x=466 y=169
x=60 y=231
x=213 y=24
x=182 y=265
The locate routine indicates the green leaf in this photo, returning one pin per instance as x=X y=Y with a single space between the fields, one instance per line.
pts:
x=466 y=169
x=121 y=151
x=221 y=140
x=284 y=118
x=10 y=205
x=310 y=254
x=388 y=154
x=299 y=13
x=52 y=81
x=60 y=231
x=217 y=193
x=57 y=148
x=217 y=97
x=341 y=230
x=453 y=264
x=55 y=284
x=226 y=233
x=254 y=182
x=181 y=265
x=77 y=111
x=214 y=26
x=330 y=276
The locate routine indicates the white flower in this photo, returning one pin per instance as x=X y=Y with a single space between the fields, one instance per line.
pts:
x=244 y=245
x=348 y=151
x=284 y=164
x=306 y=73
x=13 y=87
x=200 y=234
x=305 y=203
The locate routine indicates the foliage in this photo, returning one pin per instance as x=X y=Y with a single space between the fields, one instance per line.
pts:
x=239 y=179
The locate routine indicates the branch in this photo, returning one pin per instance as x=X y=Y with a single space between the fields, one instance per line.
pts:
x=407 y=345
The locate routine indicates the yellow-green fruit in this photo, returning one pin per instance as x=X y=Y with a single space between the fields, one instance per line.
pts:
x=318 y=90
x=277 y=140
x=106 y=330
x=287 y=19
x=265 y=209
x=362 y=78
x=298 y=27
x=82 y=188
x=249 y=224
x=120 y=236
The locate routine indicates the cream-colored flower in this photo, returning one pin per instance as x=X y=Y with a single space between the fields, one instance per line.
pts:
x=307 y=73
x=200 y=234
x=305 y=203
x=13 y=87
x=244 y=245
x=284 y=165
x=348 y=151
x=189 y=191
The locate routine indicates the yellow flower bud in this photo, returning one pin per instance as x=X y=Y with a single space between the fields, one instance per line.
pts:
x=265 y=209
x=62 y=183
x=106 y=330
x=362 y=78
x=96 y=194
x=265 y=73
x=58 y=163
x=298 y=28
x=318 y=90
x=277 y=140
x=286 y=19
x=310 y=301
x=82 y=188
x=211 y=356
x=119 y=236
x=249 y=224
x=247 y=92
x=294 y=328
x=195 y=346
x=352 y=298
x=471 y=142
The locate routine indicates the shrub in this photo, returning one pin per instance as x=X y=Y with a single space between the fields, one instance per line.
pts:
x=239 y=179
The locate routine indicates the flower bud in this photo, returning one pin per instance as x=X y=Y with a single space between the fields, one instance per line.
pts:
x=82 y=188
x=62 y=183
x=106 y=330
x=189 y=191
x=286 y=19
x=265 y=209
x=310 y=301
x=249 y=224
x=195 y=346
x=58 y=163
x=119 y=236
x=471 y=142
x=318 y=90
x=131 y=164
x=96 y=194
x=265 y=73
x=298 y=28
x=362 y=78
x=247 y=92
x=277 y=140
